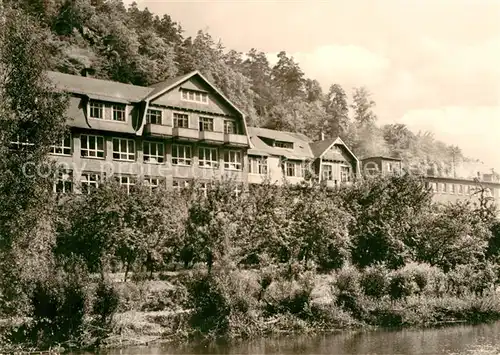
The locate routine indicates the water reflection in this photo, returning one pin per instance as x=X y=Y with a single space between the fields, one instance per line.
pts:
x=481 y=339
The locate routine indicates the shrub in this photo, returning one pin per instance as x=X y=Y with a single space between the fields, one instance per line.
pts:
x=401 y=284
x=374 y=281
x=59 y=305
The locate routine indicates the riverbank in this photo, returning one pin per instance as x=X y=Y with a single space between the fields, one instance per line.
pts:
x=234 y=306
x=192 y=306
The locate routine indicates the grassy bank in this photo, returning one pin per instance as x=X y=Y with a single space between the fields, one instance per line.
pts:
x=242 y=304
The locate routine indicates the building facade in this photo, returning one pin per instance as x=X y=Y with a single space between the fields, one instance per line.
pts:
x=444 y=189
x=176 y=131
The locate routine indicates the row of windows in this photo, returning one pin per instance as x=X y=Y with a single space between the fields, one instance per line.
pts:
x=91 y=181
x=154 y=152
x=119 y=111
x=328 y=175
x=458 y=189
x=97 y=111
x=181 y=120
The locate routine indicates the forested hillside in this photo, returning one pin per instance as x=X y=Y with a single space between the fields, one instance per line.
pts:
x=136 y=46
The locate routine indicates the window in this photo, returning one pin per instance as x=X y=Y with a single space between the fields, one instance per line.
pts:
x=442 y=187
x=434 y=187
x=451 y=188
x=466 y=190
x=279 y=144
x=371 y=168
x=19 y=143
x=327 y=172
x=460 y=189
x=345 y=174
x=258 y=165
x=230 y=127
x=487 y=192
x=92 y=146
x=154 y=152
x=181 y=120
x=195 y=96
x=123 y=149
x=96 y=110
x=119 y=113
x=64 y=182
x=63 y=147
x=207 y=157
x=126 y=182
x=90 y=182
x=291 y=168
x=206 y=124
x=154 y=116
x=204 y=188
x=237 y=191
x=181 y=155
x=152 y=182
x=232 y=160
x=389 y=167
x=178 y=185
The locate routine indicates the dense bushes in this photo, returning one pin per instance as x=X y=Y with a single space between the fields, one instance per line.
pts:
x=257 y=258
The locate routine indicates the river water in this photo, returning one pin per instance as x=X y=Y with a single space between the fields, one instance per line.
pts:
x=479 y=339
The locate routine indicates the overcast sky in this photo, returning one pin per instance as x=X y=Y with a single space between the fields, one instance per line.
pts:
x=431 y=64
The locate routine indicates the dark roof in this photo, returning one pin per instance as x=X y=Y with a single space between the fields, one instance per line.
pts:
x=319 y=147
x=98 y=89
x=382 y=157
x=167 y=84
x=300 y=151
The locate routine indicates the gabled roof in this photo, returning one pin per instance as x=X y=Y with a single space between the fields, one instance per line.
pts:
x=98 y=89
x=319 y=148
x=165 y=86
x=300 y=151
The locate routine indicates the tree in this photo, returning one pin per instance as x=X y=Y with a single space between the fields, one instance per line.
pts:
x=33 y=114
x=363 y=107
x=288 y=78
x=384 y=211
x=337 y=111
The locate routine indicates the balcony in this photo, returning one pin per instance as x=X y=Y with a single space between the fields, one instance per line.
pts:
x=185 y=134
x=236 y=140
x=212 y=137
x=158 y=130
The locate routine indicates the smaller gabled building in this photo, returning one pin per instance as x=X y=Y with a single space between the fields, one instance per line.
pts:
x=280 y=156
x=334 y=162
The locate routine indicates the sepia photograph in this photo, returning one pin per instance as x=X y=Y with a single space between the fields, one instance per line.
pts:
x=250 y=177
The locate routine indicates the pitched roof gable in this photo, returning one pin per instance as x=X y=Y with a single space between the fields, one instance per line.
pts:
x=320 y=147
x=165 y=86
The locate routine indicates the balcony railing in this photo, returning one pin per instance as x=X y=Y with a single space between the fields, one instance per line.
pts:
x=212 y=137
x=236 y=140
x=187 y=134
x=158 y=130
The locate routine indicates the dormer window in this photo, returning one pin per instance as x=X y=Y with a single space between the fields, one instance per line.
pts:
x=194 y=96
x=119 y=113
x=281 y=144
x=96 y=110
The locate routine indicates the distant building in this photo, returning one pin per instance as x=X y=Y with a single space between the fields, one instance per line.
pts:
x=445 y=189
